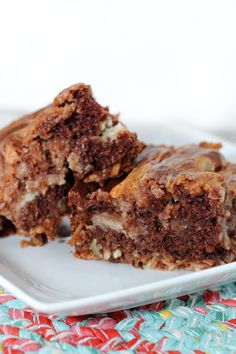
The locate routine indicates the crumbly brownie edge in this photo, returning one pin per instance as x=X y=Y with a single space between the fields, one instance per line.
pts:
x=146 y=242
x=40 y=217
x=92 y=244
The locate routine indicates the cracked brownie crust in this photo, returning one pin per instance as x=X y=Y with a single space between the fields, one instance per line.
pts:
x=176 y=209
x=42 y=154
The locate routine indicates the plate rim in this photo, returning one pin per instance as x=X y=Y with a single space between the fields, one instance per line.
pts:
x=68 y=305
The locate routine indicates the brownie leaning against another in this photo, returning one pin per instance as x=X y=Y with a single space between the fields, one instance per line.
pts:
x=42 y=154
x=176 y=209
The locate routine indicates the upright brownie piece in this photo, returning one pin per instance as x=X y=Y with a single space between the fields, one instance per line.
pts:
x=176 y=209
x=42 y=154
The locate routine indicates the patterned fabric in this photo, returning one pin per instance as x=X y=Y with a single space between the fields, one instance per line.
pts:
x=197 y=324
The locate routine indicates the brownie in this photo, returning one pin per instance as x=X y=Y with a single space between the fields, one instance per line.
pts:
x=44 y=153
x=176 y=209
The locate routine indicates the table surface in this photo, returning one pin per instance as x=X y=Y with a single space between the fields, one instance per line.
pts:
x=199 y=323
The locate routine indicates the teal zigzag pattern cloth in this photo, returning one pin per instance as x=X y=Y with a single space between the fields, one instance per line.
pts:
x=197 y=324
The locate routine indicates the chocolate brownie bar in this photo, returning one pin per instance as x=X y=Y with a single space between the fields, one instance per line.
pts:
x=176 y=209
x=42 y=154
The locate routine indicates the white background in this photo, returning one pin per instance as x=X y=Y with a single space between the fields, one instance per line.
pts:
x=151 y=60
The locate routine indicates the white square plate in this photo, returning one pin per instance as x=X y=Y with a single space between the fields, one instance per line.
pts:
x=51 y=280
